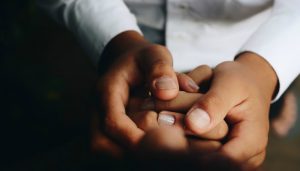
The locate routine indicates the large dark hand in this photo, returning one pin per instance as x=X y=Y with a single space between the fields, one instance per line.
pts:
x=137 y=63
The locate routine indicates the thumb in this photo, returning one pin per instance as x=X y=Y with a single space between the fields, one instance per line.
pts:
x=156 y=62
x=212 y=108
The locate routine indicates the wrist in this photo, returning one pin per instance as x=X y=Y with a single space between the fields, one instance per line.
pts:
x=263 y=73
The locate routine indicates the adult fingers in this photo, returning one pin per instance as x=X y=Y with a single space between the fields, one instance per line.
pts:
x=211 y=108
x=114 y=91
x=181 y=103
x=156 y=62
x=102 y=143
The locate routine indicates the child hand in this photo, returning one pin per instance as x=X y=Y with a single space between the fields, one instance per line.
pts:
x=240 y=93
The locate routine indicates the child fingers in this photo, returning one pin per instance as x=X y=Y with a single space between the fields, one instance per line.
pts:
x=186 y=83
x=217 y=133
x=145 y=120
x=167 y=118
x=255 y=162
x=201 y=74
x=248 y=139
x=163 y=143
x=157 y=64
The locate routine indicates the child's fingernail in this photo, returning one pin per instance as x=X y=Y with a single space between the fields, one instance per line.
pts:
x=166 y=119
x=165 y=83
x=148 y=104
x=193 y=85
x=199 y=117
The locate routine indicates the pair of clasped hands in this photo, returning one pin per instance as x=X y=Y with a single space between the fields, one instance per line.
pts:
x=229 y=119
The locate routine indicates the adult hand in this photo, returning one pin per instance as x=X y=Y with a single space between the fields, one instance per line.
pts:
x=136 y=63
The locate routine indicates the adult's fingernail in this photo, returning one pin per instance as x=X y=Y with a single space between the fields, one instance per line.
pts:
x=165 y=83
x=199 y=118
x=166 y=119
x=193 y=85
x=148 y=104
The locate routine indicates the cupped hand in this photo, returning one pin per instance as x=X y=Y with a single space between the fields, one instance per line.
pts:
x=136 y=62
x=241 y=93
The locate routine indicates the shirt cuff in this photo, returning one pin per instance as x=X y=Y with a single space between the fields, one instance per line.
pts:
x=277 y=41
x=94 y=22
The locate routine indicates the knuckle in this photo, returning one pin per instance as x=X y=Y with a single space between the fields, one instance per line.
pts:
x=210 y=100
x=262 y=146
x=255 y=162
x=222 y=132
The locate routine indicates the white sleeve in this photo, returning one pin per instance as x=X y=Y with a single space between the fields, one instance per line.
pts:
x=278 y=41
x=94 y=22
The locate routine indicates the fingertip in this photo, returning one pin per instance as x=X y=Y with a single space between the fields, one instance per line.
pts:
x=165 y=88
x=186 y=83
x=197 y=121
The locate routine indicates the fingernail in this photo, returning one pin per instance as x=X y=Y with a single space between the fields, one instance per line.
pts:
x=193 y=85
x=166 y=119
x=148 y=104
x=199 y=117
x=165 y=83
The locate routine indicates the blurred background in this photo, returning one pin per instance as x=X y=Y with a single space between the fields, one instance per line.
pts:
x=46 y=88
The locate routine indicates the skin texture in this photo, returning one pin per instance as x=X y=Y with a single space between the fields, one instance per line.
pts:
x=160 y=137
x=243 y=98
x=240 y=93
x=136 y=62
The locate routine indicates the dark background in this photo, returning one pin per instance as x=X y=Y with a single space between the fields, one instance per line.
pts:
x=46 y=89
x=46 y=83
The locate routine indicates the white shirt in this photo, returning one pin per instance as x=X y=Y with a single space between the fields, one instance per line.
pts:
x=195 y=31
